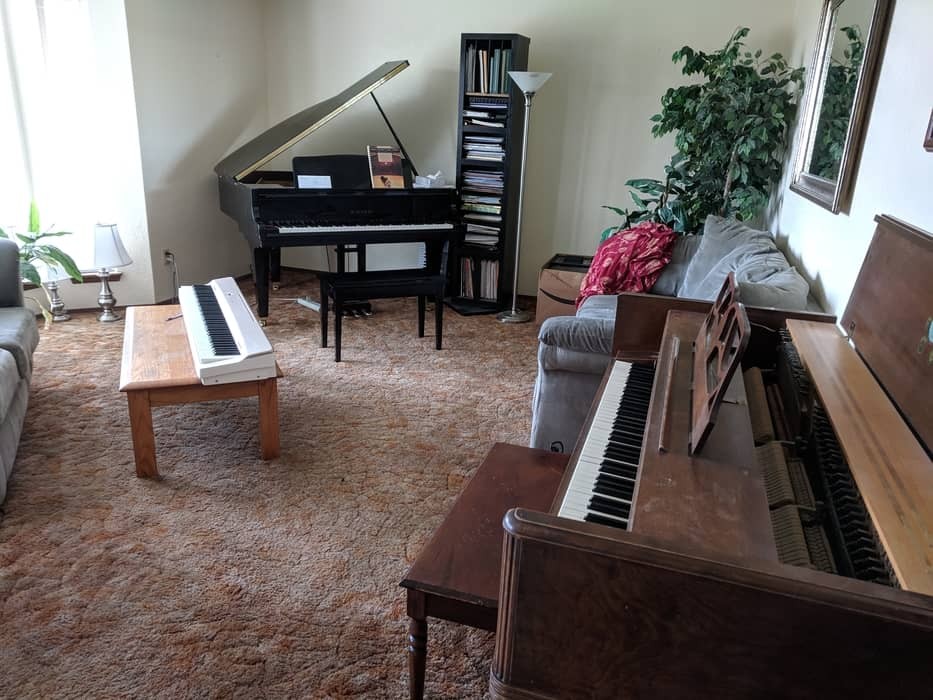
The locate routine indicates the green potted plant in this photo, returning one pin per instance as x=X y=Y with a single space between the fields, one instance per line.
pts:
x=730 y=131
x=33 y=249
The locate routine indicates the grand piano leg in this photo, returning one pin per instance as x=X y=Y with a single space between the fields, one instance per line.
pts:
x=275 y=267
x=261 y=279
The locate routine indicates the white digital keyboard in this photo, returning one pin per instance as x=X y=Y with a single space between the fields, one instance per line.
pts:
x=227 y=343
x=602 y=484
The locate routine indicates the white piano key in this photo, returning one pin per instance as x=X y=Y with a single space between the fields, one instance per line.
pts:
x=255 y=358
x=603 y=428
x=353 y=229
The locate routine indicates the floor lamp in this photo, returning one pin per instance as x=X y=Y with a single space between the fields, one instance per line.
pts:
x=529 y=84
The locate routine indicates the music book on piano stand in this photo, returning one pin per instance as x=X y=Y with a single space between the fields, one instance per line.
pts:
x=385 y=167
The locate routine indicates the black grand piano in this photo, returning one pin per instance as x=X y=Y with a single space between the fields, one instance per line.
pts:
x=273 y=213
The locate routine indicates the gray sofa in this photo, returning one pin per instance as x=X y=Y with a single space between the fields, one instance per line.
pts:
x=19 y=337
x=573 y=351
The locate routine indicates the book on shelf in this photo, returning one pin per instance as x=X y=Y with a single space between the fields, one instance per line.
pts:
x=476 y=216
x=482 y=228
x=483 y=122
x=481 y=208
x=483 y=239
x=480 y=199
x=385 y=167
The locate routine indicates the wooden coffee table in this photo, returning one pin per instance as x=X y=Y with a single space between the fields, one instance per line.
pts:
x=456 y=575
x=157 y=370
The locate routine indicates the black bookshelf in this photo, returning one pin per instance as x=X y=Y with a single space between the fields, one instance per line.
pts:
x=488 y=171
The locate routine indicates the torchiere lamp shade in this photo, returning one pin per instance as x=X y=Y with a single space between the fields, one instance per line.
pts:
x=529 y=82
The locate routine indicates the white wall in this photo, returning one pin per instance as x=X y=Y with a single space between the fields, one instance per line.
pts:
x=590 y=127
x=199 y=70
x=895 y=172
x=113 y=166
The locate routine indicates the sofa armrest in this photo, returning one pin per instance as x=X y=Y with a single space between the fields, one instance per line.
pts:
x=11 y=288
x=590 y=335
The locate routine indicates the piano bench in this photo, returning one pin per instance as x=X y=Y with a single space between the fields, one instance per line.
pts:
x=381 y=284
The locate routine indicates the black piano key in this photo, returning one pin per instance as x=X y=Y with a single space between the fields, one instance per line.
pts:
x=607 y=506
x=611 y=487
x=218 y=331
x=594 y=518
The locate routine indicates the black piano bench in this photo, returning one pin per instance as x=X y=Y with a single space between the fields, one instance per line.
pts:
x=382 y=284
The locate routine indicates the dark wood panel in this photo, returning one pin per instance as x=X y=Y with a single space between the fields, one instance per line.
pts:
x=461 y=561
x=640 y=320
x=641 y=621
x=889 y=317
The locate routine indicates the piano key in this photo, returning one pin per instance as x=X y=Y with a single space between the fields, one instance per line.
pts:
x=364 y=228
x=226 y=341
x=602 y=485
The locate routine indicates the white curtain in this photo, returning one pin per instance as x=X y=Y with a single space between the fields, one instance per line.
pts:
x=48 y=99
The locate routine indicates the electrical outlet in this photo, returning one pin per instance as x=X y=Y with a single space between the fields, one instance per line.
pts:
x=168 y=257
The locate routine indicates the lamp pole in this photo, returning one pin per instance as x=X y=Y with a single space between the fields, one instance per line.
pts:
x=528 y=83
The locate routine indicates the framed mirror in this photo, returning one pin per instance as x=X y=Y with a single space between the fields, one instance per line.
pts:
x=839 y=90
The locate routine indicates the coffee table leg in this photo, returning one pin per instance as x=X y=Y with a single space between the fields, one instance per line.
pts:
x=269 y=418
x=143 y=437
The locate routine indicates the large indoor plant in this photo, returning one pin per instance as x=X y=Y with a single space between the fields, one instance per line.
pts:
x=730 y=131
x=33 y=248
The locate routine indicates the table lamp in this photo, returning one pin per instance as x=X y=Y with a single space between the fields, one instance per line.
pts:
x=109 y=254
x=529 y=84
x=51 y=276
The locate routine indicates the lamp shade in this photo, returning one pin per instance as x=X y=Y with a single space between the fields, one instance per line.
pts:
x=53 y=273
x=529 y=83
x=108 y=248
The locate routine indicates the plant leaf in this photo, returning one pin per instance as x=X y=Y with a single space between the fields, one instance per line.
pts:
x=33 y=217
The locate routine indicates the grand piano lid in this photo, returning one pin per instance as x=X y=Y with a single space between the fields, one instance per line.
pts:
x=287 y=133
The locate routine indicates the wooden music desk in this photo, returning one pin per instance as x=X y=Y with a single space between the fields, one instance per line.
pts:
x=157 y=370
x=456 y=575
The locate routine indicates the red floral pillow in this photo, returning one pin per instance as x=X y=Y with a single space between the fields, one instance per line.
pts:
x=629 y=261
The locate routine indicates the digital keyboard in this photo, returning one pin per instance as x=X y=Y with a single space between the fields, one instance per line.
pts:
x=602 y=487
x=227 y=343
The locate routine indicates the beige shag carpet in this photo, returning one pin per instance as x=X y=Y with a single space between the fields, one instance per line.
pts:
x=234 y=577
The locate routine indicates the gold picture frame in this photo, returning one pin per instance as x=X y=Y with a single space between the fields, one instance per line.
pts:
x=928 y=141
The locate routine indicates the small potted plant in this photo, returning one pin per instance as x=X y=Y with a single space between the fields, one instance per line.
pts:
x=33 y=249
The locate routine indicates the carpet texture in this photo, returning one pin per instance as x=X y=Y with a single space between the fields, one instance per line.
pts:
x=234 y=577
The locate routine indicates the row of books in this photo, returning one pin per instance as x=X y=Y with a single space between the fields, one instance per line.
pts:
x=488 y=278
x=487 y=70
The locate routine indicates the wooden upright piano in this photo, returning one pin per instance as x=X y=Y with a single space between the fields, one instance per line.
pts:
x=790 y=557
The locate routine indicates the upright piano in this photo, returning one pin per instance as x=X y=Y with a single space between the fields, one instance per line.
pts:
x=273 y=213
x=791 y=556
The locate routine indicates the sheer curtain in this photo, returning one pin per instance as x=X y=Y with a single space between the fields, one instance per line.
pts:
x=48 y=133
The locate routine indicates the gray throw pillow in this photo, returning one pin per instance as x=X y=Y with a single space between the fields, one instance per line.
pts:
x=672 y=276
x=761 y=271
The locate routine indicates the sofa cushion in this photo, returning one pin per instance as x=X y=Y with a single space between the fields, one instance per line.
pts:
x=9 y=382
x=672 y=276
x=19 y=336
x=761 y=271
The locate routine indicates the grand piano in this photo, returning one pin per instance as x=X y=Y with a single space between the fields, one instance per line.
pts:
x=273 y=213
x=790 y=556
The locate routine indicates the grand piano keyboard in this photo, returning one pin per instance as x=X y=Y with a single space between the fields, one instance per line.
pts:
x=227 y=343
x=287 y=228
x=602 y=487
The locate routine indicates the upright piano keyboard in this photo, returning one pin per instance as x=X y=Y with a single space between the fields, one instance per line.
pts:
x=789 y=556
